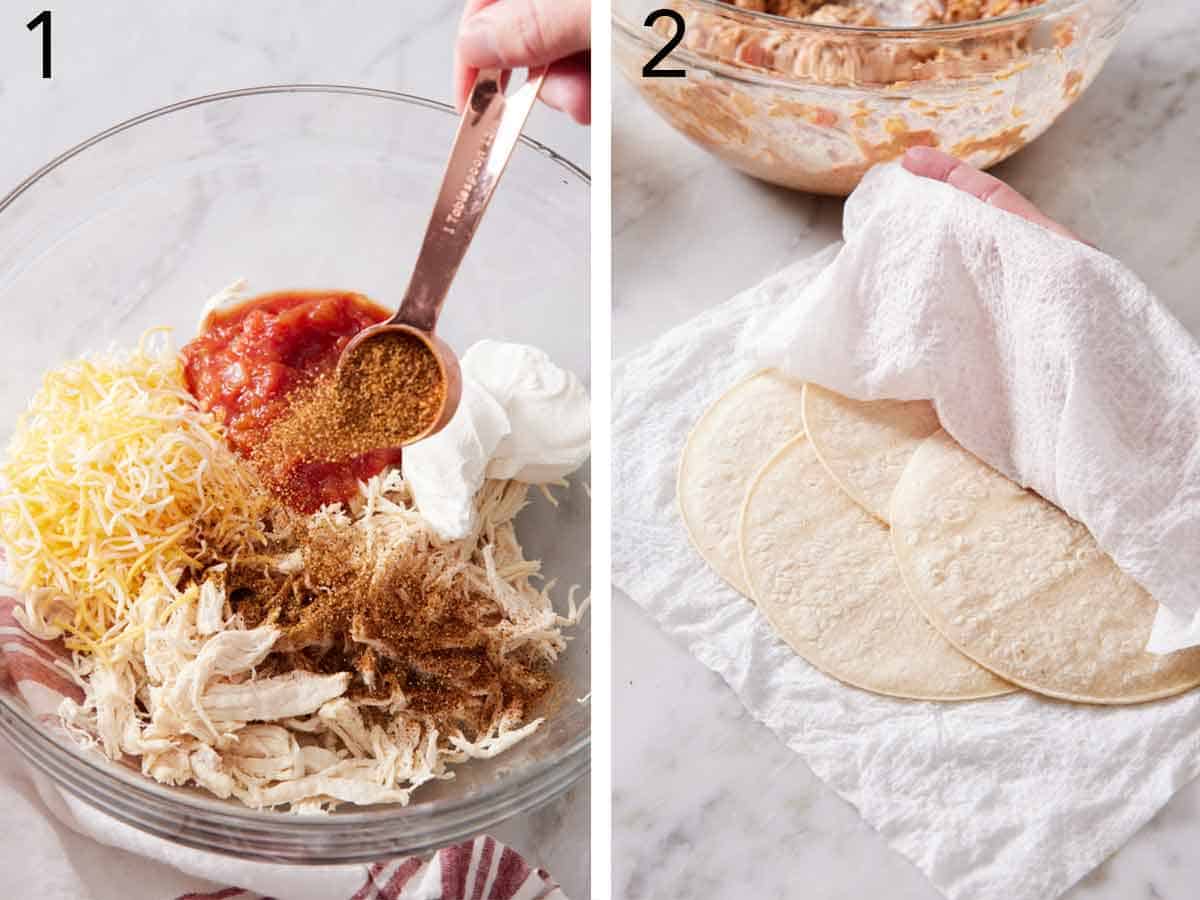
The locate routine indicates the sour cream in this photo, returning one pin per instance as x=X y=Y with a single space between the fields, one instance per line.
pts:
x=520 y=417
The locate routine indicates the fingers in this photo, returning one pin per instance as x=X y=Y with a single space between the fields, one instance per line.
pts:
x=464 y=73
x=931 y=163
x=568 y=87
x=514 y=34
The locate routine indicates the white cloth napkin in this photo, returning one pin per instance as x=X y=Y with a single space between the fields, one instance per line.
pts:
x=1014 y=798
x=1044 y=357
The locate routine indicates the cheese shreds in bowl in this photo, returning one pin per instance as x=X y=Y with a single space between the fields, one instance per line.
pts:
x=227 y=642
x=114 y=477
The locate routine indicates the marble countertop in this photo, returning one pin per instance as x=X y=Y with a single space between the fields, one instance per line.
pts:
x=116 y=60
x=708 y=802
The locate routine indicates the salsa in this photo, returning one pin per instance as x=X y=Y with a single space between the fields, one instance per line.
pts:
x=252 y=358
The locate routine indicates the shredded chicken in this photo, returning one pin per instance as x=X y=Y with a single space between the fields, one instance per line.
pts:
x=183 y=692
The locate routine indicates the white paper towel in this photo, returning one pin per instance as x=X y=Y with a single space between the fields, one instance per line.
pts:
x=1044 y=357
x=1014 y=798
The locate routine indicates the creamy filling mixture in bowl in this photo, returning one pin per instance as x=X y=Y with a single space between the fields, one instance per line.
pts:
x=810 y=94
x=219 y=627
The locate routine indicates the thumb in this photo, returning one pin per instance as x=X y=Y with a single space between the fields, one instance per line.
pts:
x=930 y=163
x=514 y=34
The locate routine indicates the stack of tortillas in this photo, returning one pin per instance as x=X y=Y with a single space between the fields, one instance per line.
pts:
x=892 y=559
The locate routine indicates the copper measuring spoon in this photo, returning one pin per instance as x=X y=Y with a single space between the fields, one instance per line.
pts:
x=487 y=135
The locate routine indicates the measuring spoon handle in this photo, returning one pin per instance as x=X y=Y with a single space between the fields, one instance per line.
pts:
x=487 y=134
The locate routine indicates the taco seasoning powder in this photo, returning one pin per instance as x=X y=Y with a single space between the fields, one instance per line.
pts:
x=391 y=389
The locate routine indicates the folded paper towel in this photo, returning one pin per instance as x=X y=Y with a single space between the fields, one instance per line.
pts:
x=1044 y=357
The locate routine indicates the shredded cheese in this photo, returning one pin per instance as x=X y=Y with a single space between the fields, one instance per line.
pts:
x=112 y=477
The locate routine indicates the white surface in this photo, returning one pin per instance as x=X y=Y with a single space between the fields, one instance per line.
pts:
x=707 y=801
x=1048 y=360
x=116 y=60
x=959 y=788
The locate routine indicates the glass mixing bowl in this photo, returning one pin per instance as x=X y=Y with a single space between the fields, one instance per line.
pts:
x=813 y=106
x=301 y=186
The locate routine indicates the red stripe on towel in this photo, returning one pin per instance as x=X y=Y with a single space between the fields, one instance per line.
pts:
x=370 y=888
x=511 y=875
x=485 y=865
x=25 y=668
x=35 y=660
x=456 y=862
x=400 y=880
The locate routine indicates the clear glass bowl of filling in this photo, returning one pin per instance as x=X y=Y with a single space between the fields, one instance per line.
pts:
x=293 y=187
x=812 y=105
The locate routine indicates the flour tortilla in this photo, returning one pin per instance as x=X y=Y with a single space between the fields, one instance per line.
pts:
x=865 y=445
x=821 y=569
x=1023 y=589
x=728 y=445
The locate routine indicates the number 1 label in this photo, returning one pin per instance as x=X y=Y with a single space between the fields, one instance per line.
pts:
x=43 y=21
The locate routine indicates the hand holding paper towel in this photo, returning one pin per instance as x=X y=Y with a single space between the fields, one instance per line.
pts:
x=1047 y=359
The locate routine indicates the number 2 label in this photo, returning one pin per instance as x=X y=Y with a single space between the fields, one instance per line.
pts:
x=651 y=70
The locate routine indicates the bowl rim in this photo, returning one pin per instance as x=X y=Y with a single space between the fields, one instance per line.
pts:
x=531 y=786
x=266 y=90
x=829 y=29
x=631 y=34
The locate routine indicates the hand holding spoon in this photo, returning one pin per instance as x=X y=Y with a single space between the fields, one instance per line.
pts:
x=403 y=355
